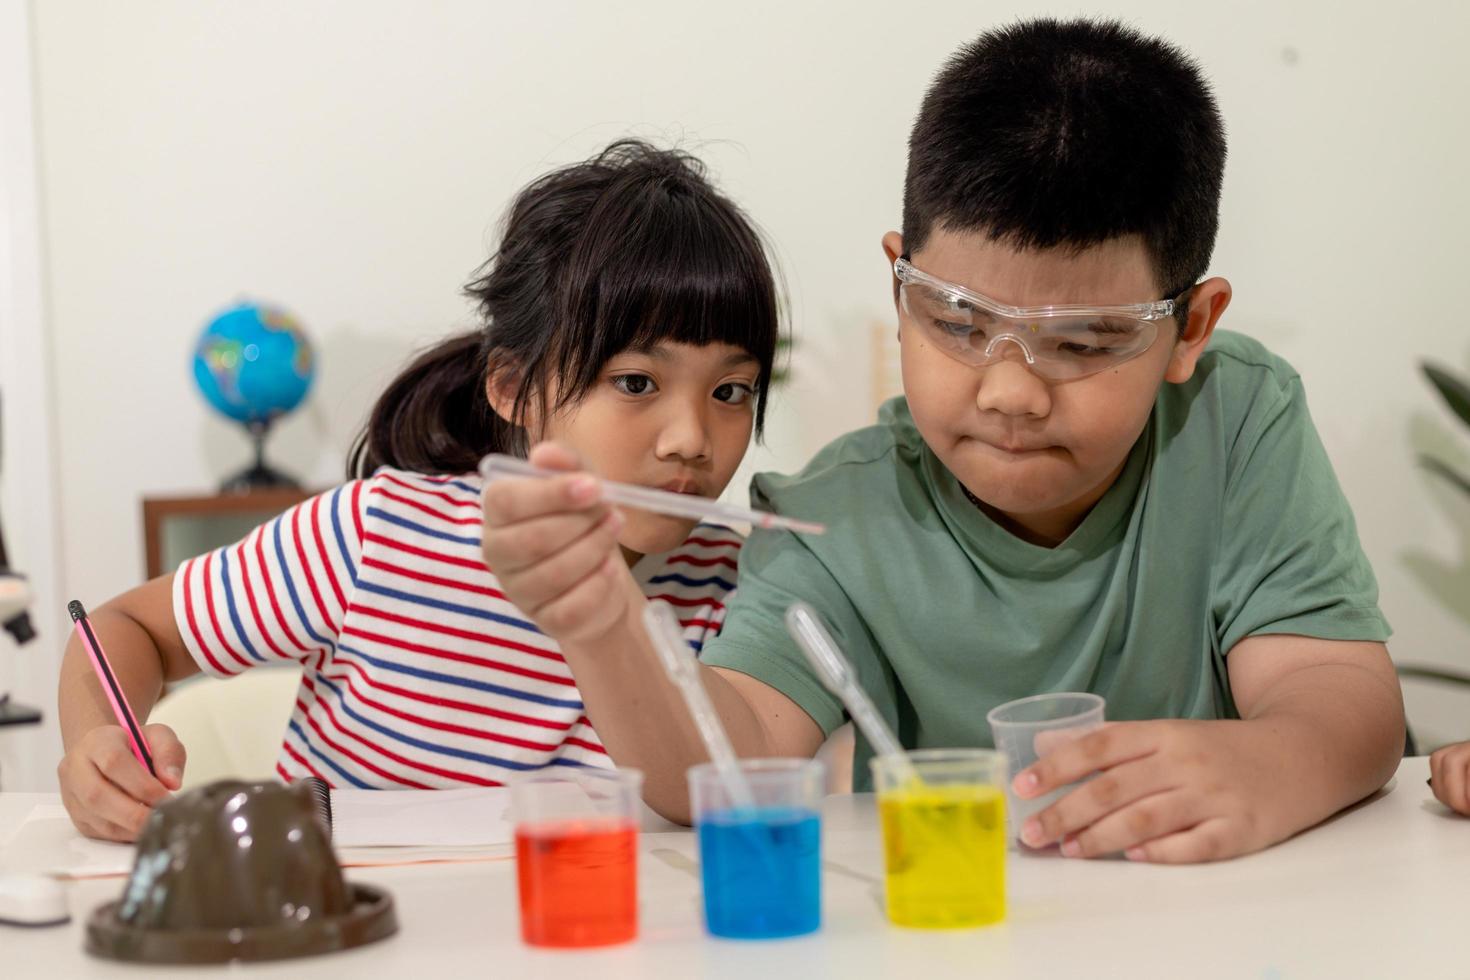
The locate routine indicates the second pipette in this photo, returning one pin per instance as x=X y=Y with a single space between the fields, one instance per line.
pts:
x=836 y=673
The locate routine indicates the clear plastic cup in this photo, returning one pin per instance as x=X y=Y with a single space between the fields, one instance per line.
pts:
x=577 y=855
x=944 y=838
x=1031 y=728
x=761 y=866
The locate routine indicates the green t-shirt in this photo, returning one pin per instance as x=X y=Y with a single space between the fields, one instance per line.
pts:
x=1227 y=521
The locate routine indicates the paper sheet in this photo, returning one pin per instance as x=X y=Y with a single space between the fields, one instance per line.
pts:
x=47 y=843
x=403 y=818
x=469 y=829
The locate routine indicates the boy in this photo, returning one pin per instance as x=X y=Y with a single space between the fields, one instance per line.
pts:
x=1109 y=498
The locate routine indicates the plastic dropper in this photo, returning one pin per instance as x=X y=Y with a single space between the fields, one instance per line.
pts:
x=497 y=465
x=821 y=652
x=683 y=669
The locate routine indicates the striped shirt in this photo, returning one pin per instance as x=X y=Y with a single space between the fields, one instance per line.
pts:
x=418 y=672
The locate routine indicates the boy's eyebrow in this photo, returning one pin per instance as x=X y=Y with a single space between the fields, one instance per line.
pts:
x=1099 y=326
x=955 y=292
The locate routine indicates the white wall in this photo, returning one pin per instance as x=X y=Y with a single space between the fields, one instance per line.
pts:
x=27 y=473
x=350 y=159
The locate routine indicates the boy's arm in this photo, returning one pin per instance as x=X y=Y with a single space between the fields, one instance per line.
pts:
x=1322 y=726
x=1294 y=606
x=106 y=791
x=1338 y=708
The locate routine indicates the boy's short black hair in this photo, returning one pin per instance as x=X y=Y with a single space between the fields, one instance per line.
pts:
x=1048 y=133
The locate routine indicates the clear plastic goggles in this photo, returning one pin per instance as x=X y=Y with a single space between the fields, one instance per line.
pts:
x=1060 y=343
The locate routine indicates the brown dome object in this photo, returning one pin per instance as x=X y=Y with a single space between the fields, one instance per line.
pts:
x=237 y=871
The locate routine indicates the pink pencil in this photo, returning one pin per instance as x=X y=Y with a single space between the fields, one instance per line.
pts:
x=111 y=687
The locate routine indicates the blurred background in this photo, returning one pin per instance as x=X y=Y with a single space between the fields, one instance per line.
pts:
x=161 y=160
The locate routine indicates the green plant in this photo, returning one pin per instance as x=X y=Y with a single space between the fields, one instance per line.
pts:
x=1456 y=394
x=781 y=370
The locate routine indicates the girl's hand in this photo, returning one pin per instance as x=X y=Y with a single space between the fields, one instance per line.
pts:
x=107 y=791
x=1172 y=791
x=553 y=544
x=1450 y=771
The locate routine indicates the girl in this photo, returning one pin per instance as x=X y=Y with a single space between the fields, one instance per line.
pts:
x=1450 y=780
x=630 y=315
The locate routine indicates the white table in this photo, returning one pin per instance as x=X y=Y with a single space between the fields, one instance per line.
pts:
x=1382 y=890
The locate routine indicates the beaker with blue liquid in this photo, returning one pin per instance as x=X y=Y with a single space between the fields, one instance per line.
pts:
x=761 y=861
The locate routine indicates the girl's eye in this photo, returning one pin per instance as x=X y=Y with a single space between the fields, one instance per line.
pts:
x=734 y=393
x=634 y=384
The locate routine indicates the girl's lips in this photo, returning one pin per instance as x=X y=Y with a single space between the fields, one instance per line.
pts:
x=682 y=486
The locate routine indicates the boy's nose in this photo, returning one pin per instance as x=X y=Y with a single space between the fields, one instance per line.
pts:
x=1007 y=386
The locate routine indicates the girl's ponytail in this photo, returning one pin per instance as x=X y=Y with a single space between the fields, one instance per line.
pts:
x=434 y=417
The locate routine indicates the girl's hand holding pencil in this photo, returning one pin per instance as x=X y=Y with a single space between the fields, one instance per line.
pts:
x=115 y=774
x=107 y=791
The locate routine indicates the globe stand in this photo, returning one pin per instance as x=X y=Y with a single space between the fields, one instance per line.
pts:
x=258 y=476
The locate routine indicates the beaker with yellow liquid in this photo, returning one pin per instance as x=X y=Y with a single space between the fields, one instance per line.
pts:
x=944 y=837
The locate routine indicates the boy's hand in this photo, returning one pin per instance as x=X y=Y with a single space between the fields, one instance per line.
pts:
x=553 y=545
x=107 y=791
x=1450 y=771
x=1165 y=791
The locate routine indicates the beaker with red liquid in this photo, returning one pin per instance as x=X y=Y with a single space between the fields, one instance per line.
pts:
x=577 y=855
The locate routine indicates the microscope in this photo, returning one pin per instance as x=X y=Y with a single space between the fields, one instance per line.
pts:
x=26 y=900
x=15 y=603
x=15 y=619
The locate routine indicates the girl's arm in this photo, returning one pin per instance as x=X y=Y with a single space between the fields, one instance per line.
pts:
x=641 y=717
x=105 y=789
x=1451 y=776
x=554 y=548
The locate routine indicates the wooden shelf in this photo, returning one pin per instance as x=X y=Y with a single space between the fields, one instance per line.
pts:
x=180 y=527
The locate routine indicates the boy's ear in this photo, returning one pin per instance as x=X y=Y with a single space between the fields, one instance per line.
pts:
x=1207 y=302
x=893 y=248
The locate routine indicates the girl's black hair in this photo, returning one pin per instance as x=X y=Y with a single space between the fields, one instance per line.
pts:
x=629 y=248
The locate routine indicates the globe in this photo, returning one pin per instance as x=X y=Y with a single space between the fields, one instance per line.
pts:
x=253 y=364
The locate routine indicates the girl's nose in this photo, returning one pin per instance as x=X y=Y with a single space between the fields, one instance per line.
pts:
x=685 y=435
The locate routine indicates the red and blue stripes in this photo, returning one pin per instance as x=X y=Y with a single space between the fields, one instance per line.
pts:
x=418 y=672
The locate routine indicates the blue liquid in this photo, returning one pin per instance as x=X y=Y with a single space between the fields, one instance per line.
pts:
x=762 y=872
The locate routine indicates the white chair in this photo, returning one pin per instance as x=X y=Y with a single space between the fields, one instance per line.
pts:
x=231 y=729
x=837 y=752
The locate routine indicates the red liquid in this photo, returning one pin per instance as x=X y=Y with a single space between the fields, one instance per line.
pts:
x=578 y=882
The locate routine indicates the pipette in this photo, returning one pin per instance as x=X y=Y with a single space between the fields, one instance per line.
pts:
x=836 y=673
x=683 y=669
x=497 y=465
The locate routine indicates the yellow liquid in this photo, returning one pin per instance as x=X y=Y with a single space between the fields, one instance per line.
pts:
x=945 y=855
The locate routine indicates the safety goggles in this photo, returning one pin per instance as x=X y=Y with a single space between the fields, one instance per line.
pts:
x=1060 y=343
